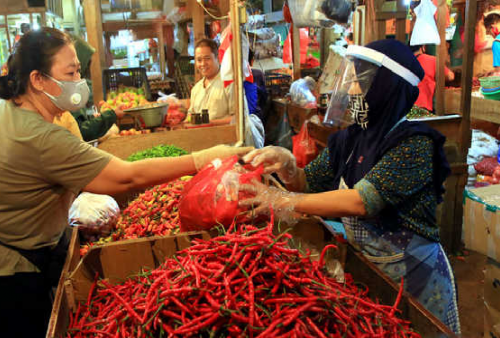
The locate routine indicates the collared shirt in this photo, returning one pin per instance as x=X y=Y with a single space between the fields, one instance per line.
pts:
x=218 y=100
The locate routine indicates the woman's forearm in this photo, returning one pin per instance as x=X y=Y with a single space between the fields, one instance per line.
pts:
x=120 y=176
x=336 y=203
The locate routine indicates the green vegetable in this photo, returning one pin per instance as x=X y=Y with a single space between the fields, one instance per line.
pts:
x=158 y=151
x=417 y=112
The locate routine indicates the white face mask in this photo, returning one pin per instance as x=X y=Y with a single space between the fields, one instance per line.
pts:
x=74 y=95
x=359 y=110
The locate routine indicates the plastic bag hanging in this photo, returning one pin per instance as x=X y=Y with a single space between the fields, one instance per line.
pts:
x=425 y=31
x=319 y=13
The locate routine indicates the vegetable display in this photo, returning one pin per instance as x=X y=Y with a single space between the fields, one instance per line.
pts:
x=161 y=150
x=417 y=113
x=246 y=282
x=152 y=213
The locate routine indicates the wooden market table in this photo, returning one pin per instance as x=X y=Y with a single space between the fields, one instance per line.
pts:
x=481 y=108
x=187 y=139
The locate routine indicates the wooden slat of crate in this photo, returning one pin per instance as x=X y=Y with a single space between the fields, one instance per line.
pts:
x=188 y=139
x=60 y=303
x=114 y=261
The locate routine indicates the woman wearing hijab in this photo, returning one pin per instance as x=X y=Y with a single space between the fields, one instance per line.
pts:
x=382 y=175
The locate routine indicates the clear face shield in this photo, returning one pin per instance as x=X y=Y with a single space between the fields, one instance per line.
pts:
x=353 y=80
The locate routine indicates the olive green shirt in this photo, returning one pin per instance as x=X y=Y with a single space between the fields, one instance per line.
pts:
x=42 y=167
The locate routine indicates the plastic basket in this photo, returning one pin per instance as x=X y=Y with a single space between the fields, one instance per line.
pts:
x=129 y=77
x=490 y=82
x=491 y=95
x=278 y=84
x=186 y=65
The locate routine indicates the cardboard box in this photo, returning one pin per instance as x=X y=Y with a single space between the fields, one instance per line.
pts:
x=492 y=300
x=482 y=220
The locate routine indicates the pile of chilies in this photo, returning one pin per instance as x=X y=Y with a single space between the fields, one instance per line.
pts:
x=244 y=283
x=153 y=213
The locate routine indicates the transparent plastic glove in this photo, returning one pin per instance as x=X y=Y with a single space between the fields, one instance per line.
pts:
x=282 y=202
x=204 y=157
x=276 y=160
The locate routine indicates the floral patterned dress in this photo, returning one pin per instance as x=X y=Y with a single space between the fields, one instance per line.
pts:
x=401 y=184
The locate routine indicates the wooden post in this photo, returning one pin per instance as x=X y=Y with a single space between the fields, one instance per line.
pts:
x=93 y=22
x=161 y=43
x=440 y=59
x=295 y=51
x=468 y=59
x=234 y=15
x=168 y=33
x=370 y=34
x=198 y=16
x=401 y=23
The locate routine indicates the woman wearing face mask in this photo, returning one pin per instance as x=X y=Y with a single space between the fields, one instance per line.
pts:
x=43 y=167
x=382 y=175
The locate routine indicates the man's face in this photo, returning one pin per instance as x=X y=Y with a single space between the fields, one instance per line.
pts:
x=206 y=62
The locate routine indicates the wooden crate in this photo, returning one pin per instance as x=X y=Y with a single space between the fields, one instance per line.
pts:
x=312 y=233
x=187 y=139
x=60 y=304
x=118 y=260
x=115 y=261
x=297 y=115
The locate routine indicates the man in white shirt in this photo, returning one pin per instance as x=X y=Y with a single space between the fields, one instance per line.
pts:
x=209 y=93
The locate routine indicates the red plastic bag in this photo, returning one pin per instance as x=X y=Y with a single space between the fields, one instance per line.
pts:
x=212 y=196
x=304 y=147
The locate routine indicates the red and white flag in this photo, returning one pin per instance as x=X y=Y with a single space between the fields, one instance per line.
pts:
x=225 y=58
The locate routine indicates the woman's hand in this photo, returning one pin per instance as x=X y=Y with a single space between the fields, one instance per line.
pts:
x=265 y=199
x=275 y=160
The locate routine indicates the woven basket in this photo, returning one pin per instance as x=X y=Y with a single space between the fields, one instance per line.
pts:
x=490 y=82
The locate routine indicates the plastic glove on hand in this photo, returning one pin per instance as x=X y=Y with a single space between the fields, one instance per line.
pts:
x=282 y=202
x=204 y=157
x=276 y=160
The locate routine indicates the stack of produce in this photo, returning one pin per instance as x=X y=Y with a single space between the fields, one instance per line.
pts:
x=417 y=113
x=244 y=283
x=125 y=98
x=152 y=213
x=162 y=150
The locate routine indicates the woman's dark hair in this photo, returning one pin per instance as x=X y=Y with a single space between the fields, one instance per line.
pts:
x=34 y=51
x=490 y=20
x=208 y=43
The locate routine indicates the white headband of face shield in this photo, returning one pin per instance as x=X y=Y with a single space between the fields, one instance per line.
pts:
x=381 y=59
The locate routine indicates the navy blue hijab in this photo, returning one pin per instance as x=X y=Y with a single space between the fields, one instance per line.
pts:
x=389 y=98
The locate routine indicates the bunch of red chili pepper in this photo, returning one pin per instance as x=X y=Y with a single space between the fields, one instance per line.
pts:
x=244 y=283
x=153 y=213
